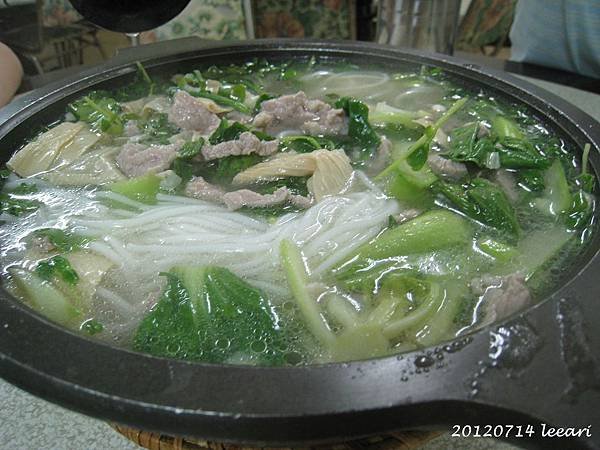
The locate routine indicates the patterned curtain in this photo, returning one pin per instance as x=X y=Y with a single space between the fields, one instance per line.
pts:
x=224 y=19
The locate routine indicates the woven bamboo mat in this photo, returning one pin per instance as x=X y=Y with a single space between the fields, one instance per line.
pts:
x=405 y=440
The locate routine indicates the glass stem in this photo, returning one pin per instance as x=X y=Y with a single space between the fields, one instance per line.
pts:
x=134 y=39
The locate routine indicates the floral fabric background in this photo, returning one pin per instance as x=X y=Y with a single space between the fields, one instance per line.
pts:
x=325 y=19
x=210 y=19
x=224 y=19
x=59 y=12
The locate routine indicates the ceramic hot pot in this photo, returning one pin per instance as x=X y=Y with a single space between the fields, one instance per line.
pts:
x=541 y=366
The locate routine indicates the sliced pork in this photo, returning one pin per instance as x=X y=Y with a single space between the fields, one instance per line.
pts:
x=199 y=188
x=137 y=159
x=446 y=168
x=298 y=112
x=507 y=182
x=245 y=197
x=236 y=116
x=502 y=296
x=190 y=113
x=382 y=158
x=246 y=144
x=131 y=129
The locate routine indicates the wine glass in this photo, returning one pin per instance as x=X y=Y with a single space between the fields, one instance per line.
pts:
x=129 y=16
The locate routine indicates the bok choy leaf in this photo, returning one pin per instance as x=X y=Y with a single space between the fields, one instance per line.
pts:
x=193 y=319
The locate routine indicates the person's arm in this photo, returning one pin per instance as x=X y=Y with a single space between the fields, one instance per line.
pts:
x=11 y=73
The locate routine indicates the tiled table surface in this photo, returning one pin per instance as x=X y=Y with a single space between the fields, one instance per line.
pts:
x=27 y=422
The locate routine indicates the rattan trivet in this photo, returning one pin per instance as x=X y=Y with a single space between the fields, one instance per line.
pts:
x=405 y=440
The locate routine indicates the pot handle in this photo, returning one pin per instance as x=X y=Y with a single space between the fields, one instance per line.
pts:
x=540 y=370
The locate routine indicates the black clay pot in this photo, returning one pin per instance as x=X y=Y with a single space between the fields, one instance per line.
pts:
x=539 y=367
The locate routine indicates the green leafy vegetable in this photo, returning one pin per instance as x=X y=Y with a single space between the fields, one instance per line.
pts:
x=24 y=189
x=63 y=241
x=270 y=213
x=221 y=100
x=183 y=168
x=496 y=249
x=586 y=180
x=503 y=127
x=57 y=266
x=91 y=327
x=102 y=113
x=359 y=128
x=438 y=327
x=229 y=132
x=417 y=153
x=556 y=198
x=508 y=148
x=4 y=174
x=12 y=201
x=259 y=101
x=183 y=165
x=191 y=149
x=296 y=185
x=483 y=201
x=575 y=208
x=253 y=72
x=228 y=167
x=193 y=320
x=411 y=186
x=580 y=211
x=194 y=78
x=142 y=86
x=157 y=128
x=43 y=296
x=516 y=153
x=383 y=115
x=433 y=230
x=466 y=146
x=422 y=312
x=236 y=80
x=236 y=92
x=234 y=74
x=11 y=204
x=531 y=179
x=404 y=303
x=144 y=75
x=305 y=144
x=219 y=171
x=293 y=265
x=142 y=189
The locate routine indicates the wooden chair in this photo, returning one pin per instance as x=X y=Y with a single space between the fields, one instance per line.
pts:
x=22 y=29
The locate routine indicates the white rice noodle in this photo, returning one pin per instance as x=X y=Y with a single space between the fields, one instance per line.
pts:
x=109 y=195
x=354 y=83
x=115 y=300
x=182 y=231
